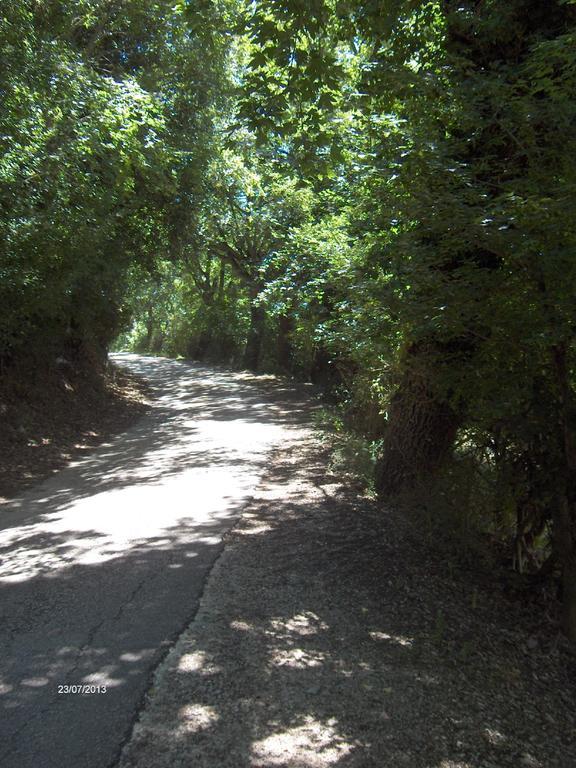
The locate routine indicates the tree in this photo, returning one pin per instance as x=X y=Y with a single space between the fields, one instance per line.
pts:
x=375 y=195
x=98 y=105
x=252 y=209
x=467 y=114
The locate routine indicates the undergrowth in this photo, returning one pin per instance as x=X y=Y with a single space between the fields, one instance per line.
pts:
x=352 y=456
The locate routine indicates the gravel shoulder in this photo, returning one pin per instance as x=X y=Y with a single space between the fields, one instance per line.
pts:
x=331 y=634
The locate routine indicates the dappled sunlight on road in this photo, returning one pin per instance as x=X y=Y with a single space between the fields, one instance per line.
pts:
x=102 y=565
x=195 y=457
x=312 y=743
x=316 y=646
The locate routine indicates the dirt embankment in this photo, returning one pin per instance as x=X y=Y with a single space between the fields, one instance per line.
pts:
x=49 y=418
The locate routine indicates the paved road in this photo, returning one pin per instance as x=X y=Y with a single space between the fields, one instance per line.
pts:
x=102 y=565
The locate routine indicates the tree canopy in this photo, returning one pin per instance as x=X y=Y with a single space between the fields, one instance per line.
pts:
x=374 y=195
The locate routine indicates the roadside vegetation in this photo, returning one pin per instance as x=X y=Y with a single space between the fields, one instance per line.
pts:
x=373 y=196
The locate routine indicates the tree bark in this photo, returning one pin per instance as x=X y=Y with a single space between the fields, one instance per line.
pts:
x=565 y=511
x=569 y=600
x=420 y=432
x=565 y=547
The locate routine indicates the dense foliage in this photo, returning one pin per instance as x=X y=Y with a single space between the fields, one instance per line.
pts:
x=373 y=195
x=102 y=112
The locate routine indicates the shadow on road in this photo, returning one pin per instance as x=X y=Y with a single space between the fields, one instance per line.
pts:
x=332 y=634
x=102 y=565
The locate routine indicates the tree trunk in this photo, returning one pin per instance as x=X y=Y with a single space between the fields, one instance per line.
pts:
x=255 y=335
x=565 y=512
x=569 y=600
x=565 y=548
x=285 y=349
x=200 y=348
x=420 y=432
x=221 y=281
x=149 y=328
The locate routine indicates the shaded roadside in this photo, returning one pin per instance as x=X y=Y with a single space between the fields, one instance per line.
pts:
x=329 y=634
x=51 y=419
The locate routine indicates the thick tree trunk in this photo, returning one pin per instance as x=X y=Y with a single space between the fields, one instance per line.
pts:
x=202 y=345
x=255 y=336
x=565 y=550
x=420 y=432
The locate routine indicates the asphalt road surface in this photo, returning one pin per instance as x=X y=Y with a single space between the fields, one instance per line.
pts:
x=102 y=565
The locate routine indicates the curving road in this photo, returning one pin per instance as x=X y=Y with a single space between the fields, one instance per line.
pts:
x=103 y=565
